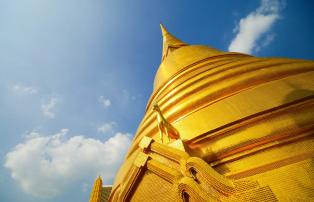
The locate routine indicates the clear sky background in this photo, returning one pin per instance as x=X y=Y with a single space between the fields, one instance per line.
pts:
x=76 y=75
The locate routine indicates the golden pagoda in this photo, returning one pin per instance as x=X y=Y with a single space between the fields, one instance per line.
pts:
x=222 y=126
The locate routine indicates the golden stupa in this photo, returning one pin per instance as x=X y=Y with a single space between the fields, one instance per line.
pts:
x=222 y=126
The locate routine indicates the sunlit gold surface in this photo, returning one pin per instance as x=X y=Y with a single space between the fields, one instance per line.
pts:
x=246 y=130
x=96 y=192
x=165 y=128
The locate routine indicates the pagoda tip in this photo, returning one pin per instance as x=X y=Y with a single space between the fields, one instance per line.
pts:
x=163 y=29
x=170 y=42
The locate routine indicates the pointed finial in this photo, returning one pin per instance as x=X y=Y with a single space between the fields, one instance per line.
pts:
x=99 y=177
x=170 y=42
x=163 y=30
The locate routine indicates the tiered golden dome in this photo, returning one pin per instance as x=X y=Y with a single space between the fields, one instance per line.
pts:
x=244 y=129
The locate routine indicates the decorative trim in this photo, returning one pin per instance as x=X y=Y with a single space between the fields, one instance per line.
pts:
x=145 y=143
x=195 y=180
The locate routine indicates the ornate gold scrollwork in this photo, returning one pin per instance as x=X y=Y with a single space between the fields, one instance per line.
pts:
x=192 y=178
x=189 y=190
x=208 y=175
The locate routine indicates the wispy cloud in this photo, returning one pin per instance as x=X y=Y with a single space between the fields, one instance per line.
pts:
x=47 y=107
x=106 y=127
x=24 y=89
x=104 y=101
x=127 y=96
x=253 y=27
x=45 y=165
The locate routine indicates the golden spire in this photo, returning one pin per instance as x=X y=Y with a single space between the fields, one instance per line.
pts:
x=96 y=192
x=170 y=42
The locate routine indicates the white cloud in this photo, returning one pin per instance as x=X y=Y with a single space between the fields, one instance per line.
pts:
x=47 y=108
x=254 y=26
x=127 y=96
x=106 y=128
x=23 y=89
x=44 y=166
x=104 y=101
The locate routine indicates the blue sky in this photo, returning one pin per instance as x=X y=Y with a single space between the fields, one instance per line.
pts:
x=76 y=76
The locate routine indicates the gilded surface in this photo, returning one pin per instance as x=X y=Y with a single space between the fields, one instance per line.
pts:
x=245 y=128
x=97 y=190
x=165 y=128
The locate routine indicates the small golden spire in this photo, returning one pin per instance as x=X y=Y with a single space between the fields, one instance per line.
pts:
x=97 y=189
x=170 y=42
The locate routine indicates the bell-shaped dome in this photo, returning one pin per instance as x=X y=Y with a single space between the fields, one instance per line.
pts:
x=176 y=55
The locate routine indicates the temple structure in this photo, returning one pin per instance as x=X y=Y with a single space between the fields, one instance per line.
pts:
x=222 y=126
x=99 y=192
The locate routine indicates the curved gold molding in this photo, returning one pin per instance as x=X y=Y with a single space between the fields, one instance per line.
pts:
x=188 y=186
x=251 y=80
x=198 y=168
